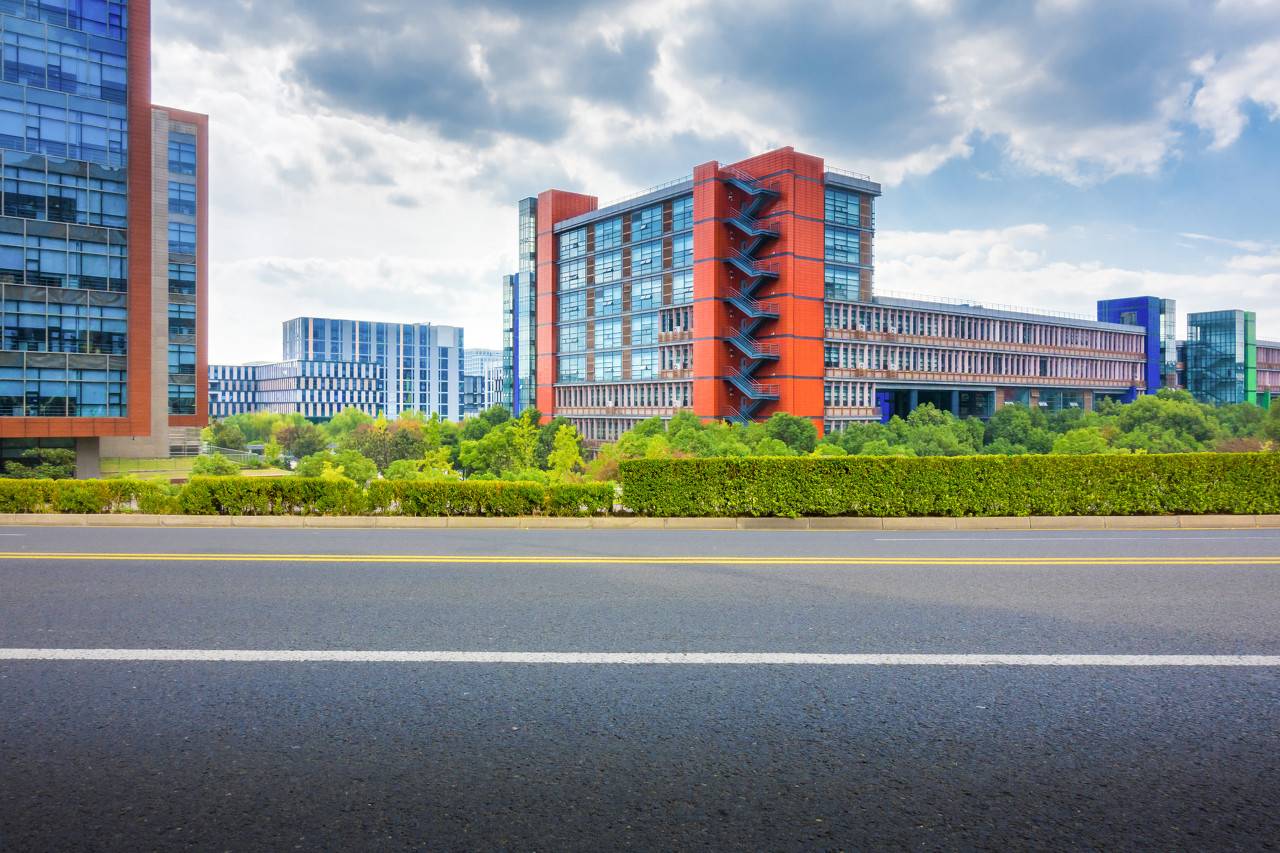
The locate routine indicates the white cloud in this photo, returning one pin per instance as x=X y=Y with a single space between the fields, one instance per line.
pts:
x=1013 y=267
x=1230 y=84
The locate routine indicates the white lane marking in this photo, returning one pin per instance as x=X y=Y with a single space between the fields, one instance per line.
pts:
x=1015 y=537
x=631 y=658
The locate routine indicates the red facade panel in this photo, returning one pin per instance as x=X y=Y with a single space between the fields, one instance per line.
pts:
x=554 y=206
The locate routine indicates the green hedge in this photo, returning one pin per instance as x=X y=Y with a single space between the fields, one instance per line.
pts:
x=581 y=499
x=421 y=498
x=1165 y=484
x=271 y=496
x=85 y=497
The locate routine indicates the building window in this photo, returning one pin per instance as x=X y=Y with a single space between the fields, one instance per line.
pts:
x=182 y=278
x=182 y=198
x=682 y=251
x=646 y=293
x=644 y=329
x=843 y=284
x=608 y=367
x=573 y=274
x=646 y=223
x=182 y=399
x=182 y=319
x=608 y=234
x=608 y=267
x=573 y=369
x=182 y=238
x=608 y=300
x=182 y=154
x=646 y=258
x=644 y=364
x=842 y=207
x=682 y=213
x=608 y=334
x=682 y=287
x=573 y=243
x=842 y=245
x=573 y=338
x=572 y=306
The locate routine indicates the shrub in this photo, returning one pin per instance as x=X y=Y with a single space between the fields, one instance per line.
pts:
x=81 y=497
x=216 y=465
x=1140 y=484
x=271 y=496
x=423 y=498
x=580 y=499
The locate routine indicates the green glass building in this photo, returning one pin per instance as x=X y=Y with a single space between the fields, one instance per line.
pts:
x=1222 y=357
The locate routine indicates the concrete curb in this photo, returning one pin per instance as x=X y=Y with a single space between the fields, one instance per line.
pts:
x=1164 y=522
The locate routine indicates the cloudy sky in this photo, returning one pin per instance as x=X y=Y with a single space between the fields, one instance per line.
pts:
x=368 y=154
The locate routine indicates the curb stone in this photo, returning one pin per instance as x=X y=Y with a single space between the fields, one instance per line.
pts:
x=1170 y=522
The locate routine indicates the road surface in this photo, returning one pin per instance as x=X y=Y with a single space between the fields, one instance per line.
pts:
x=612 y=689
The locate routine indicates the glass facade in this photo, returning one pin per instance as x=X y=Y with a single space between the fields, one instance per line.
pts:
x=422 y=363
x=519 y=313
x=63 y=218
x=849 y=222
x=1221 y=357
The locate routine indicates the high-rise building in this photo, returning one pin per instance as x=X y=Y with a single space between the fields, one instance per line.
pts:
x=747 y=289
x=423 y=363
x=101 y=349
x=1159 y=319
x=478 y=393
x=519 y=307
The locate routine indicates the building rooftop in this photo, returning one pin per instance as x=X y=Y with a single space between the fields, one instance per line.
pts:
x=1003 y=312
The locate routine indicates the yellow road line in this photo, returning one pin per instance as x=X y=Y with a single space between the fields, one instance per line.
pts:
x=439 y=559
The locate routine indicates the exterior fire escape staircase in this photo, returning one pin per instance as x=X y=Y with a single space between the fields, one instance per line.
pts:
x=755 y=274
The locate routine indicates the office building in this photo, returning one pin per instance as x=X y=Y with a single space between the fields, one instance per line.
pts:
x=329 y=365
x=422 y=363
x=747 y=289
x=103 y=239
x=478 y=392
x=519 y=309
x=1225 y=361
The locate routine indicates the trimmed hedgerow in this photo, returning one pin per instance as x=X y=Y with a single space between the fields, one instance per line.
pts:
x=424 y=498
x=1164 y=484
x=572 y=499
x=85 y=497
x=271 y=496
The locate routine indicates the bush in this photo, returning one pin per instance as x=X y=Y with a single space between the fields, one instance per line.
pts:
x=581 y=499
x=1192 y=484
x=271 y=496
x=82 y=497
x=422 y=498
x=216 y=465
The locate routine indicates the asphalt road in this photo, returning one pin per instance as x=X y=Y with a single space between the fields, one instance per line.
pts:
x=207 y=754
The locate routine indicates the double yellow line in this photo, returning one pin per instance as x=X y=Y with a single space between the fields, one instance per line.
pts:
x=602 y=560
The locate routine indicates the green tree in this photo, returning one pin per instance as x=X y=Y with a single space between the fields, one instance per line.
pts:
x=272 y=452
x=227 y=435
x=354 y=466
x=881 y=447
x=302 y=440
x=1242 y=420
x=436 y=465
x=346 y=422
x=42 y=463
x=566 y=456
x=1271 y=427
x=547 y=435
x=797 y=433
x=1081 y=442
x=216 y=465
x=524 y=442
x=1168 y=422
x=829 y=448
x=496 y=416
x=1020 y=427
x=773 y=447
